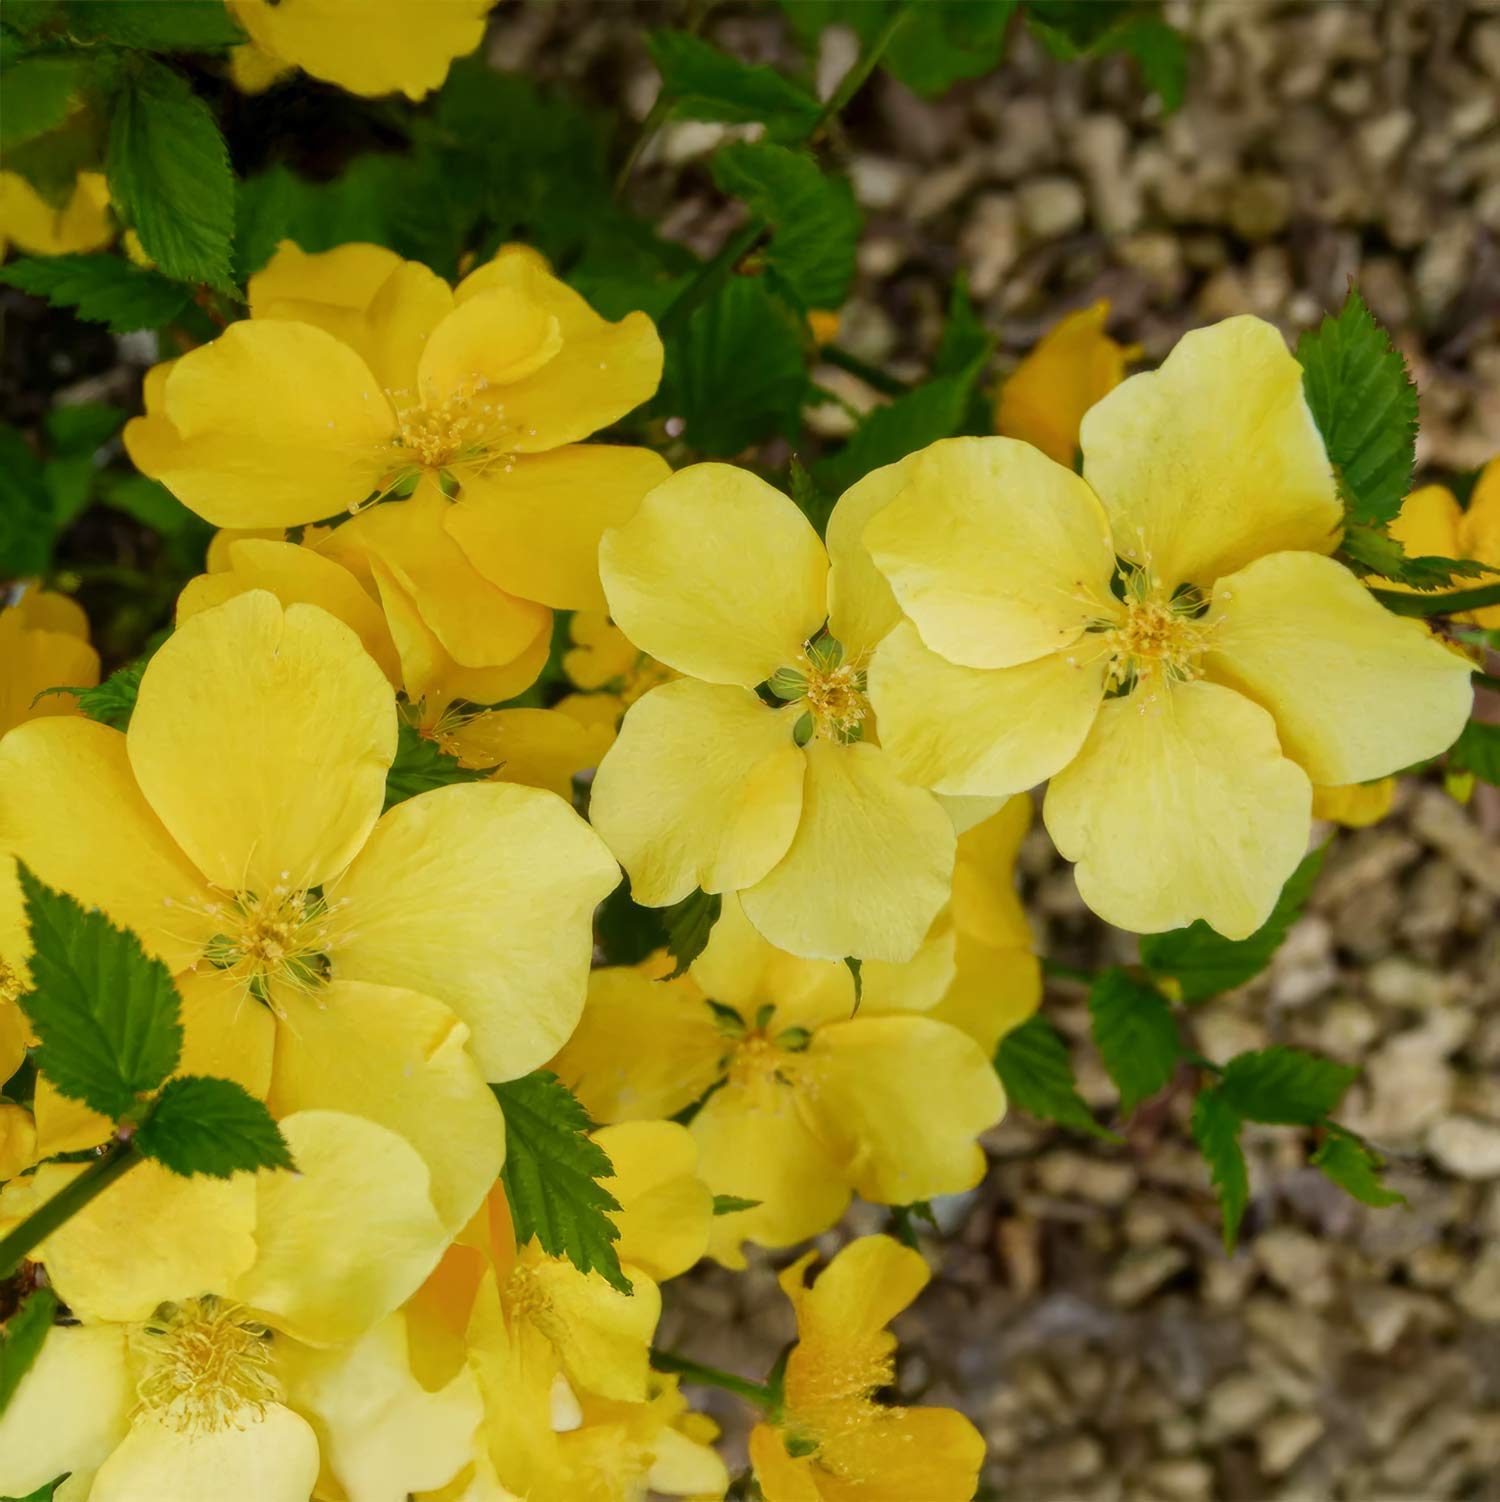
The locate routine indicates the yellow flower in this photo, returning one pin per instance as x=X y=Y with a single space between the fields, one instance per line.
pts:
x=1073 y=366
x=795 y=807
x=204 y=1397
x=602 y=660
x=543 y=748
x=44 y=643
x=30 y=224
x=1164 y=637
x=1432 y=522
x=1355 y=805
x=360 y=376
x=328 y=956
x=368 y=47
x=804 y=1099
x=17 y=1137
x=834 y=1441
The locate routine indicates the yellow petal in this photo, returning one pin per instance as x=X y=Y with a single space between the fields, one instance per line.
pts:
x=540 y=748
x=666 y=1210
x=993 y=991
x=643 y=1049
x=1073 y=366
x=368 y=47
x=934 y=1453
x=296 y=576
x=981 y=731
x=274 y=1458
x=482 y=896
x=1479 y=533
x=397 y=1058
x=345 y=1239
x=225 y=1032
x=70 y=1411
x=39 y=228
x=46 y=610
x=382 y=1435
x=183 y=1233
x=1355 y=805
x=1214 y=459
x=902 y=1100
x=392 y=334
x=600 y=373
x=868 y=868
x=1428 y=524
x=717 y=575
x=271 y=425
x=487 y=342
x=703 y=788
x=781 y=1477
x=533 y=527
x=261 y=736
x=64 y=1125
x=1181 y=808
x=348 y=276
x=754 y=1142
x=861 y=607
x=996 y=553
x=71 y=809
x=866 y=1285
x=986 y=904
x=1355 y=691
x=37 y=659
x=18 y=1140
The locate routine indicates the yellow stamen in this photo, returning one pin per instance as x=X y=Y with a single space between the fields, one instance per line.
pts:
x=205 y=1367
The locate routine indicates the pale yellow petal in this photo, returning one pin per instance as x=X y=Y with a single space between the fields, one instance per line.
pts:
x=345 y=1239
x=986 y=904
x=18 y=1140
x=666 y=1210
x=1180 y=808
x=273 y=1458
x=1214 y=459
x=36 y=660
x=482 y=896
x=1356 y=692
x=1356 y=805
x=398 y=1058
x=261 y=736
x=533 y=527
x=993 y=991
x=348 y=276
x=997 y=553
x=861 y=607
x=981 y=731
x=703 y=788
x=868 y=868
x=225 y=1031
x=64 y=1125
x=717 y=575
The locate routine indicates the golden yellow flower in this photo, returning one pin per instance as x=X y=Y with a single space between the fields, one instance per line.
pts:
x=833 y=1440
x=44 y=643
x=1356 y=804
x=1164 y=637
x=1432 y=522
x=29 y=223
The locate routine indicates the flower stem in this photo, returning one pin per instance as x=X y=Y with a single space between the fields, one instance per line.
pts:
x=861 y=68
x=695 y=1371
x=121 y=1156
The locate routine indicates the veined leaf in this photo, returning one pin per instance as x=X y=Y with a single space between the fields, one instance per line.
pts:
x=420 y=766
x=704 y=83
x=1216 y=1130
x=688 y=924
x=211 y=1126
x=1136 y=1035
x=104 y=289
x=1355 y=1167
x=1033 y=1064
x=1284 y=1086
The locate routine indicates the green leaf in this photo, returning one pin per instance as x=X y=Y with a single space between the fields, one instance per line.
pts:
x=813 y=216
x=1200 y=963
x=1355 y=1167
x=105 y=1012
x=1477 y=750
x=262 y=213
x=856 y=969
x=1443 y=604
x=1033 y=1064
x=26 y=511
x=421 y=766
x=732 y=1204
x=735 y=370
x=1216 y=1129
x=151 y=504
x=101 y=288
x=943 y=41
x=82 y=428
x=169 y=172
x=1284 y=1086
x=21 y=1341
x=1365 y=405
x=153 y=26
x=904 y=1220
x=551 y=1174
x=113 y=701
x=211 y=1126
x=38 y=91
x=1372 y=550
x=703 y=83
x=1136 y=1035
x=816 y=505
x=966 y=342
x=688 y=924
x=44 y=1493
x=1162 y=53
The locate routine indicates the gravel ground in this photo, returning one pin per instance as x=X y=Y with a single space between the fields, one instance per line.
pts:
x=1085 y=1314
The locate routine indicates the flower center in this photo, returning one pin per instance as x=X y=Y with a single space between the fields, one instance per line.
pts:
x=526 y=1297
x=466 y=425
x=830 y=690
x=830 y=1399
x=1155 y=638
x=205 y=1366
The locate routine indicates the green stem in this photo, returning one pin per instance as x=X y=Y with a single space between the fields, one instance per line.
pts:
x=1400 y=603
x=695 y=1371
x=871 y=375
x=863 y=66
x=119 y=1158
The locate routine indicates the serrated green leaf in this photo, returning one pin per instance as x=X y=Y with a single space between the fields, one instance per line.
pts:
x=1449 y=603
x=943 y=41
x=1216 y=1129
x=211 y=1126
x=103 y=289
x=814 y=220
x=113 y=701
x=38 y=93
x=816 y=505
x=420 y=766
x=688 y=924
x=21 y=1340
x=732 y=1204
x=704 y=83
x=735 y=372
x=106 y=1014
x=551 y=1176
x=44 y=1493
x=1355 y=1167
x=168 y=170
x=1200 y=963
x=1365 y=405
x=82 y=427
x=1477 y=750
x=1284 y=1086
x=1136 y=1035
x=155 y=26
x=1033 y=1064
x=1372 y=550
x=26 y=510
